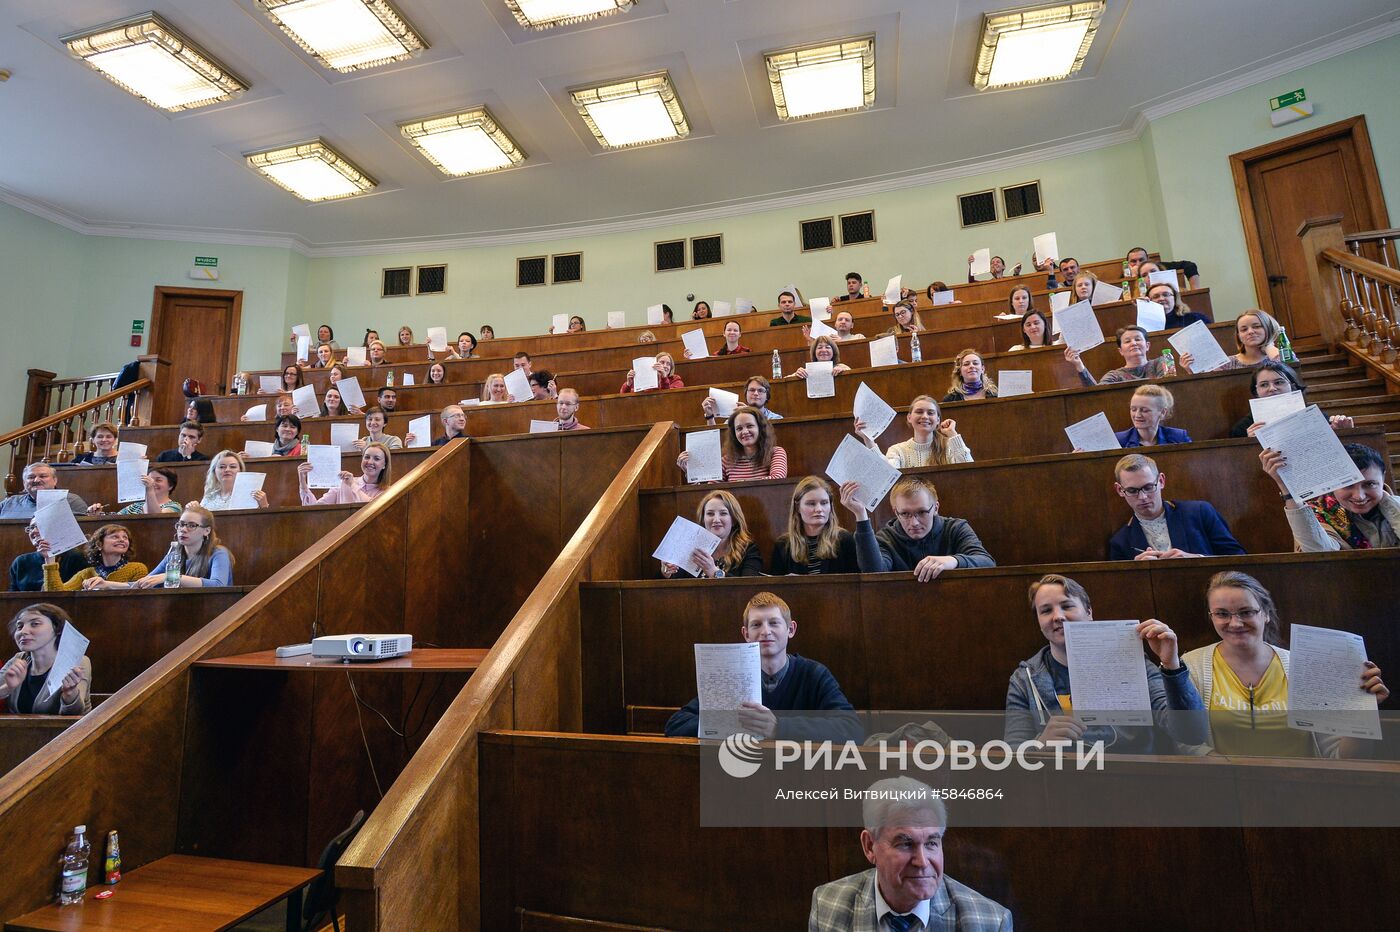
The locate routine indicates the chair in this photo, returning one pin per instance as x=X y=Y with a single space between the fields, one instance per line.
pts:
x=322 y=894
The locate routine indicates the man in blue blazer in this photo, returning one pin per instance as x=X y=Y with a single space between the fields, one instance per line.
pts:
x=1161 y=529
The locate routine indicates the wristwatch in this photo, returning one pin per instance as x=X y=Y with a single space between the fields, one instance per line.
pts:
x=1285 y=495
x=719 y=573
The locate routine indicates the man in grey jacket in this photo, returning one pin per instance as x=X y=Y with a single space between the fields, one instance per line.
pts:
x=918 y=538
x=38 y=477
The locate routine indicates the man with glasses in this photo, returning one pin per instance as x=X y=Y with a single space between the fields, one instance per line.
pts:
x=918 y=538
x=454 y=424
x=567 y=409
x=1159 y=529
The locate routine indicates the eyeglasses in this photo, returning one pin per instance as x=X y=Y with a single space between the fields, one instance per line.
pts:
x=919 y=514
x=1245 y=614
x=1133 y=491
x=188 y=525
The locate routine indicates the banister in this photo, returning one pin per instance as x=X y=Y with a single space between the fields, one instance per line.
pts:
x=72 y=411
x=1363 y=266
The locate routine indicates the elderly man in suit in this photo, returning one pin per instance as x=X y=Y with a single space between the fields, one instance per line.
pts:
x=906 y=890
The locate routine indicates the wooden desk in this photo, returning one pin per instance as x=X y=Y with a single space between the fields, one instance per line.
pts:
x=420 y=660
x=179 y=892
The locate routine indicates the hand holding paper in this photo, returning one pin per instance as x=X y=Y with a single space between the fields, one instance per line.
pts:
x=703 y=462
x=854 y=462
x=325 y=466
x=981 y=263
x=1092 y=433
x=694 y=341
x=682 y=539
x=820 y=381
x=873 y=410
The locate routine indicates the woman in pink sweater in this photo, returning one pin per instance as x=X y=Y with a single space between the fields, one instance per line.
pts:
x=374 y=478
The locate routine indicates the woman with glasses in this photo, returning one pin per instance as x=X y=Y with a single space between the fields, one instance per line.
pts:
x=815 y=543
x=1243 y=677
x=204 y=560
x=1274 y=378
x=37 y=630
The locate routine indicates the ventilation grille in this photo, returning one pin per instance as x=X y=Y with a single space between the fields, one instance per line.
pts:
x=432 y=279
x=858 y=228
x=568 y=268
x=978 y=208
x=818 y=234
x=396 y=283
x=670 y=255
x=1022 y=200
x=707 y=250
x=529 y=271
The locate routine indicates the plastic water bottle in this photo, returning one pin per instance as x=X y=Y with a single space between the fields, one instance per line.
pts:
x=305 y=444
x=174 y=563
x=1285 y=348
x=914 y=352
x=73 y=867
x=389 y=382
x=777 y=365
x=1170 y=361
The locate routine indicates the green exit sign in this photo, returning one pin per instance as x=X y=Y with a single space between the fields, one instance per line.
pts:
x=1287 y=100
x=138 y=326
x=213 y=261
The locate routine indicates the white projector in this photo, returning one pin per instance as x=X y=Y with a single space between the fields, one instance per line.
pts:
x=362 y=646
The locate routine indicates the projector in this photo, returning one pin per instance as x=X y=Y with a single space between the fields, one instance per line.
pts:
x=362 y=646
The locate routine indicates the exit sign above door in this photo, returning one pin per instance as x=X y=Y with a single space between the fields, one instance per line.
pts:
x=1288 y=100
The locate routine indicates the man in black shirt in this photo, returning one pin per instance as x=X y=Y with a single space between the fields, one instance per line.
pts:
x=191 y=432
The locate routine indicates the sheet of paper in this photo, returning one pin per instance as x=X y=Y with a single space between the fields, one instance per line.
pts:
x=682 y=539
x=1107 y=674
x=705 y=463
x=853 y=461
x=350 y=391
x=892 y=288
x=258 y=448
x=356 y=356
x=725 y=676
x=305 y=400
x=57 y=525
x=244 y=485
x=269 y=384
x=981 y=262
x=872 y=409
x=694 y=341
x=654 y=314
x=743 y=306
x=126 y=450
x=325 y=466
x=1324 y=670
x=71 y=648
x=544 y=427
x=617 y=320
x=302 y=330
x=819 y=329
x=821 y=309
x=1059 y=300
x=722 y=309
x=561 y=324
x=518 y=384
x=1092 y=433
x=129 y=473
x=422 y=430
x=1080 y=325
x=820 y=381
x=643 y=375
x=469 y=402
x=725 y=402
x=1317 y=461
x=1046 y=247
x=941 y=298
x=408 y=379
x=256 y=413
x=884 y=351
x=303 y=349
x=1274 y=407
x=1008 y=315
x=1151 y=316
x=437 y=339
x=1013 y=382
x=1164 y=277
x=343 y=436
x=797 y=295
x=1206 y=354
x=43 y=497
x=1104 y=293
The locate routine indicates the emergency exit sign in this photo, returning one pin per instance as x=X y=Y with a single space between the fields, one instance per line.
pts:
x=1287 y=100
x=138 y=326
x=213 y=261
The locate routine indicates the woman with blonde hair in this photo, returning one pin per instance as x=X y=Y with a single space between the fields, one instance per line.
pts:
x=108 y=553
x=936 y=442
x=405 y=335
x=970 y=381
x=1150 y=406
x=1083 y=285
x=737 y=554
x=906 y=319
x=815 y=542
x=666 y=377
x=224 y=468
x=494 y=391
x=1255 y=333
x=204 y=560
x=374 y=477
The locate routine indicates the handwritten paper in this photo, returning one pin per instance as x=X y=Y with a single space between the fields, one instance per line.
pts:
x=643 y=375
x=981 y=262
x=682 y=539
x=821 y=309
x=325 y=466
x=57 y=525
x=617 y=320
x=350 y=392
x=1046 y=247
x=269 y=384
x=1206 y=354
x=1317 y=461
x=1324 y=672
x=853 y=461
x=127 y=450
x=1151 y=316
x=343 y=436
x=72 y=646
x=819 y=329
x=821 y=383
x=303 y=348
x=256 y=413
x=1273 y=407
x=355 y=356
x=422 y=430
x=543 y=427
x=1107 y=673
x=1092 y=433
x=722 y=309
x=258 y=448
x=654 y=314
x=1013 y=382
x=704 y=463
x=873 y=410
x=1104 y=293
x=884 y=351
x=892 y=289
x=561 y=324
x=518 y=384
x=1080 y=326
x=44 y=497
x=694 y=341
x=305 y=400
x=129 y=473
x=726 y=675
x=437 y=339
x=725 y=402
x=244 y=485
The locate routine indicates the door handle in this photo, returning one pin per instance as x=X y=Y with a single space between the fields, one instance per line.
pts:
x=1277 y=279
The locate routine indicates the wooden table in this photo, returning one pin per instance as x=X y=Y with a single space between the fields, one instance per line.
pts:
x=420 y=659
x=179 y=892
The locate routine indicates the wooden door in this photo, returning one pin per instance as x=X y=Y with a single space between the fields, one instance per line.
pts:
x=1328 y=171
x=196 y=331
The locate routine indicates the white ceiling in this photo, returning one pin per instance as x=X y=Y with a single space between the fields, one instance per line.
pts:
x=78 y=149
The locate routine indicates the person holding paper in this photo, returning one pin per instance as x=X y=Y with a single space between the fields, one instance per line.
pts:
x=732 y=346
x=186 y=445
x=332 y=405
x=1179 y=313
x=936 y=442
x=756 y=393
x=1020 y=301
x=218 y=482
x=1243 y=678
x=751 y=448
x=844 y=325
x=737 y=554
x=815 y=543
x=284 y=405
x=702 y=311
x=1269 y=380
x=1161 y=530
x=159 y=482
x=790 y=684
x=665 y=367
x=1035 y=331
x=1134 y=347
x=576 y=325
x=943 y=292
x=454 y=425
x=37 y=477
x=375 y=420
x=1255 y=333
x=108 y=557
x=336 y=373
x=787 y=308
x=542 y=385
x=1039 y=699
x=375 y=473
x=286 y=437
x=494 y=391
x=905 y=319
x=325 y=357
x=824 y=349
x=205 y=561
x=970 y=380
x=855 y=288
x=27 y=569
x=917 y=538
x=104 y=447
x=324 y=334
x=998 y=268
x=290 y=379
x=466 y=346
x=566 y=407
x=38 y=630
x=1149 y=408
x=1362 y=516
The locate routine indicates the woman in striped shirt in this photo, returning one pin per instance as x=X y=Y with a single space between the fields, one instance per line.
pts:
x=751 y=448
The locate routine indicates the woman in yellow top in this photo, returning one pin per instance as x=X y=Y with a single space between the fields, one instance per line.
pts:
x=1243 y=677
x=108 y=554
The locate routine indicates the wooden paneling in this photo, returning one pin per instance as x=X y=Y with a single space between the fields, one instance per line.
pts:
x=22 y=735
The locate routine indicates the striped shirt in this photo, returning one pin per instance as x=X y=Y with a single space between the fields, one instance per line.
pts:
x=738 y=472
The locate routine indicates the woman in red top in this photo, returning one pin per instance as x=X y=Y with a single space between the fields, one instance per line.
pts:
x=665 y=367
x=732 y=346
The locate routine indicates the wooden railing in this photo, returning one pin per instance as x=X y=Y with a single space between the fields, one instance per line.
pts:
x=58 y=437
x=49 y=395
x=1358 y=300
x=1381 y=243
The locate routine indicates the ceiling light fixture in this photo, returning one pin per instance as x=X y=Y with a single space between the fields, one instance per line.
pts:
x=466 y=143
x=1035 y=46
x=146 y=57
x=633 y=112
x=313 y=171
x=545 y=14
x=822 y=79
x=347 y=35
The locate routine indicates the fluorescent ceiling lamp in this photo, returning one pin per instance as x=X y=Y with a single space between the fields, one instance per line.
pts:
x=1035 y=46
x=347 y=35
x=467 y=143
x=146 y=57
x=822 y=79
x=313 y=171
x=543 y=14
x=634 y=112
